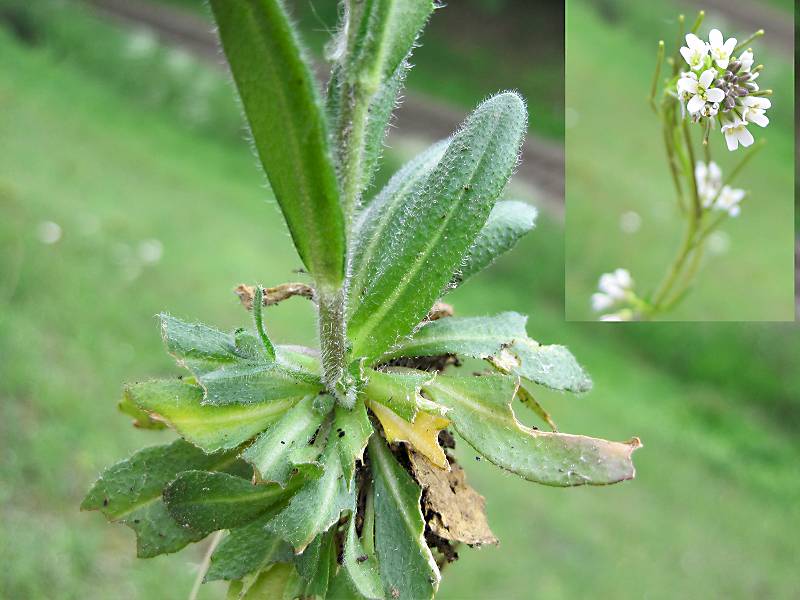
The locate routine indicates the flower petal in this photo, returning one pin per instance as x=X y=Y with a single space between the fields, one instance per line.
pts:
x=714 y=36
x=715 y=94
x=730 y=139
x=707 y=77
x=696 y=104
x=744 y=136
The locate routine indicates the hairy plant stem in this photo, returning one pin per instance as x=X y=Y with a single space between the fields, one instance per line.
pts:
x=355 y=113
x=333 y=342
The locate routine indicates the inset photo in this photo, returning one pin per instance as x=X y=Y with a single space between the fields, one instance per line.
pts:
x=679 y=131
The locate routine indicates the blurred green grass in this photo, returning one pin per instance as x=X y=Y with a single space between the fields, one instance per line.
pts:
x=615 y=165
x=712 y=512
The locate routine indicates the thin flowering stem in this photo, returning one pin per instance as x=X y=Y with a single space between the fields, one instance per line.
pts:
x=656 y=74
x=746 y=42
x=675 y=269
x=688 y=278
x=745 y=159
x=690 y=173
x=677 y=57
x=698 y=21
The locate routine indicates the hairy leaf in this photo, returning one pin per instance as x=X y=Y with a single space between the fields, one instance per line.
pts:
x=422 y=433
x=436 y=225
x=352 y=429
x=314 y=566
x=478 y=337
x=234 y=369
x=317 y=505
x=286 y=119
x=408 y=569
x=246 y=550
x=211 y=428
x=480 y=408
x=372 y=229
x=274 y=453
x=507 y=223
x=397 y=389
x=130 y=493
x=208 y=501
x=367 y=77
x=552 y=365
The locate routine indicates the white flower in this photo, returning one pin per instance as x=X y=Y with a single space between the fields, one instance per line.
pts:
x=696 y=52
x=700 y=91
x=729 y=199
x=615 y=287
x=747 y=60
x=709 y=181
x=754 y=107
x=720 y=52
x=601 y=302
x=736 y=133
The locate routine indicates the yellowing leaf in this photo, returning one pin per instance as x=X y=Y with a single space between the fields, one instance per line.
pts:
x=422 y=433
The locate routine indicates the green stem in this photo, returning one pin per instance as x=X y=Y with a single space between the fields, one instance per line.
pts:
x=333 y=341
x=691 y=272
x=690 y=171
x=745 y=43
x=368 y=528
x=654 y=86
x=675 y=269
x=203 y=568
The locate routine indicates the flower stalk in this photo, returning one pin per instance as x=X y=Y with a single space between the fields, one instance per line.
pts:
x=712 y=86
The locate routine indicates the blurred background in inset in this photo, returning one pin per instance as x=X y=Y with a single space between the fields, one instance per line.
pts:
x=127 y=188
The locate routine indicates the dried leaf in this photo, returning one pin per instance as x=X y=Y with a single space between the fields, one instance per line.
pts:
x=454 y=510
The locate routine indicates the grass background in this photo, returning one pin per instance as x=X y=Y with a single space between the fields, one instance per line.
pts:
x=616 y=164
x=107 y=146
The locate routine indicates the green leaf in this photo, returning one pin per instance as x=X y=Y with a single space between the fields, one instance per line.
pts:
x=480 y=409
x=274 y=453
x=130 y=491
x=352 y=429
x=258 y=321
x=371 y=230
x=233 y=370
x=360 y=567
x=281 y=103
x=246 y=550
x=379 y=36
x=408 y=569
x=379 y=115
x=211 y=428
x=398 y=389
x=314 y=566
x=478 y=337
x=507 y=223
x=207 y=501
x=436 y=225
x=317 y=505
x=552 y=366
x=274 y=582
x=141 y=418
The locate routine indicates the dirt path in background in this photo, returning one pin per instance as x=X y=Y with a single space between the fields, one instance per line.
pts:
x=419 y=117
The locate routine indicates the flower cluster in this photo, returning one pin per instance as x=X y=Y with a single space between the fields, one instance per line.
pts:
x=720 y=85
x=616 y=289
x=712 y=193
